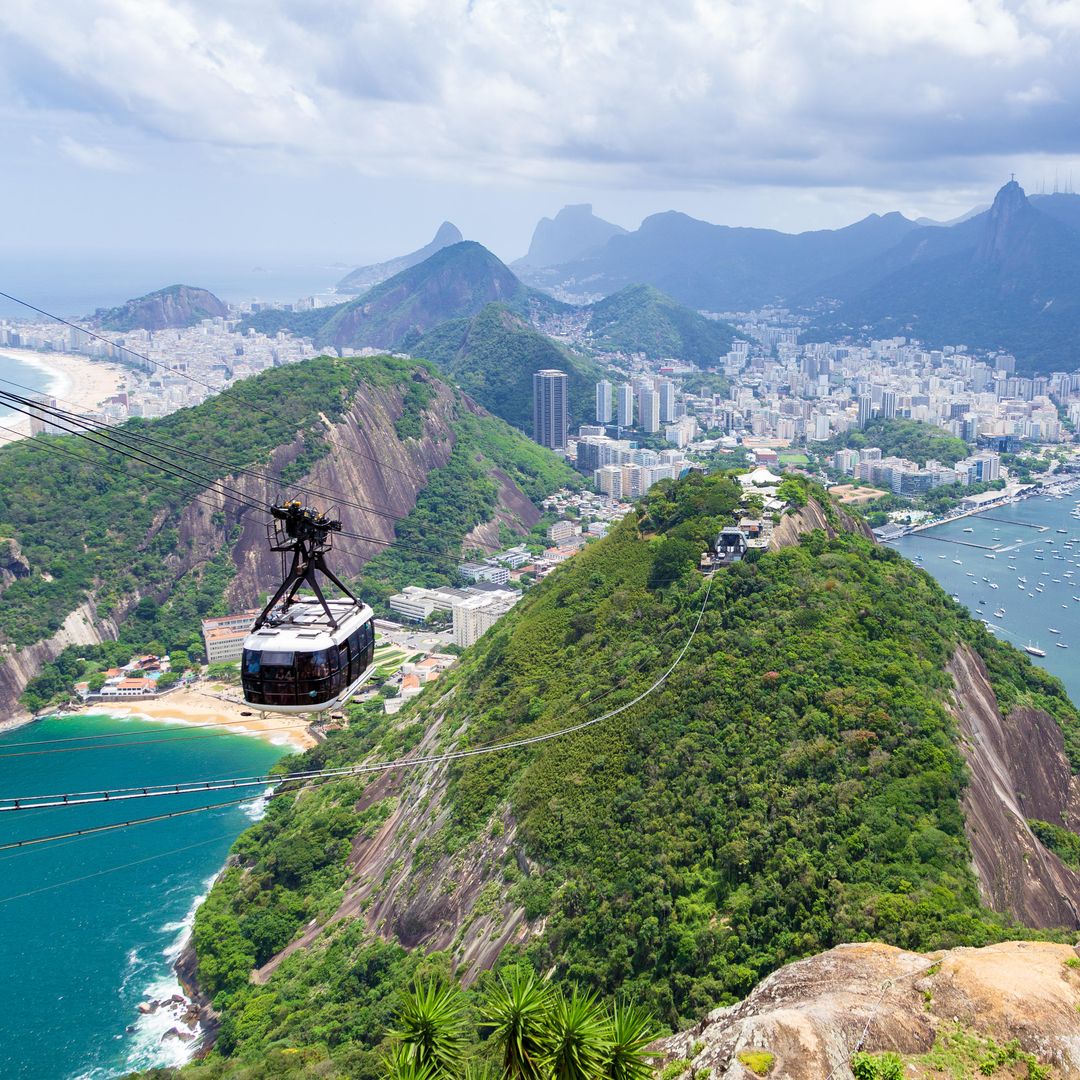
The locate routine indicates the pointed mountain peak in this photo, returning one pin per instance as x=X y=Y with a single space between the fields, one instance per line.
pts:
x=574 y=230
x=1006 y=221
x=448 y=233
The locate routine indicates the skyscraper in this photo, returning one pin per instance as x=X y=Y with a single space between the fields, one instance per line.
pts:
x=549 y=408
x=603 y=402
x=866 y=409
x=667 y=401
x=648 y=410
x=888 y=404
x=625 y=406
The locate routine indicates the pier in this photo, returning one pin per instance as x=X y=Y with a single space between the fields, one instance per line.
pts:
x=1009 y=521
x=948 y=540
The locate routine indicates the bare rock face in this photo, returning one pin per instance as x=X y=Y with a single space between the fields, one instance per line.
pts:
x=175 y=307
x=1018 y=771
x=809 y=518
x=813 y=1015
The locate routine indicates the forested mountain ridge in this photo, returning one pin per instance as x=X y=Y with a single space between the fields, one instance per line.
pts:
x=1006 y=279
x=364 y=277
x=493 y=356
x=798 y=781
x=111 y=548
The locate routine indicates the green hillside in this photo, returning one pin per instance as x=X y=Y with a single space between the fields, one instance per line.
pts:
x=93 y=524
x=911 y=439
x=493 y=356
x=175 y=307
x=795 y=784
x=640 y=318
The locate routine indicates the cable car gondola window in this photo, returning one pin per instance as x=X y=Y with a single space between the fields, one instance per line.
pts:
x=317 y=674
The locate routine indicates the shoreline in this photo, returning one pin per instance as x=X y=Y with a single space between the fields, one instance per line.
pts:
x=196 y=706
x=73 y=380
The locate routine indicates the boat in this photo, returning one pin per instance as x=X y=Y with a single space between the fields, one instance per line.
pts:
x=989 y=555
x=1034 y=650
x=956 y=598
x=1065 y=531
x=969 y=530
x=1052 y=630
x=993 y=584
x=943 y=556
x=981 y=600
x=1000 y=613
x=1022 y=579
x=1061 y=644
x=958 y=562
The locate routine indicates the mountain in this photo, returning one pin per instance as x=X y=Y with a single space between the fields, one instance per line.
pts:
x=642 y=319
x=574 y=231
x=493 y=356
x=125 y=553
x=839 y=753
x=176 y=307
x=363 y=278
x=454 y=283
x=719 y=268
x=1006 y=279
x=1065 y=207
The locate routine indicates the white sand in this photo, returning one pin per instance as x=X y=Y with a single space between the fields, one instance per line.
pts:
x=78 y=384
x=213 y=705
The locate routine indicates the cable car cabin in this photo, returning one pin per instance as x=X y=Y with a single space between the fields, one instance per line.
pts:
x=297 y=663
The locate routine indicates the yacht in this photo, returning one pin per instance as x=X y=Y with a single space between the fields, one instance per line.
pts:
x=1022 y=579
x=1034 y=650
x=1061 y=644
x=1052 y=630
x=958 y=562
x=993 y=584
x=969 y=530
x=1000 y=613
x=989 y=555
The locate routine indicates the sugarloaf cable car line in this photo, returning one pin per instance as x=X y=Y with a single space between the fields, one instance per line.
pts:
x=122 y=431
x=35 y=802
x=191 y=378
x=134 y=738
x=83 y=430
x=111 y=869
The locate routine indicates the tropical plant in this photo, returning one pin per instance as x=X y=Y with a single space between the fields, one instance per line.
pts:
x=431 y=1028
x=631 y=1030
x=516 y=1013
x=400 y=1065
x=580 y=1041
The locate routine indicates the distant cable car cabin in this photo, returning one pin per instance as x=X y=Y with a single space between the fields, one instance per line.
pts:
x=306 y=654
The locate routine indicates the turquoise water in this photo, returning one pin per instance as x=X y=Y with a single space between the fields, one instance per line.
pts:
x=22 y=374
x=1025 y=540
x=89 y=927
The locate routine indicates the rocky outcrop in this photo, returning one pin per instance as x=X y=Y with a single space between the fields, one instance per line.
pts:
x=176 y=307
x=811 y=517
x=811 y=1016
x=409 y=889
x=1018 y=771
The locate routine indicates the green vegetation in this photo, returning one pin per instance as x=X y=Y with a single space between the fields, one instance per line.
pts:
x=642 y=319
x=493 y=357
x=957 y=1054
x=759 y=1062
x=459 y=496
x=794 y=784
x=175 y=306
x=910 y=439
x=1063 y=843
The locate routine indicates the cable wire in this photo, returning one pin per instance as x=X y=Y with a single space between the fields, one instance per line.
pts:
x=34 y=802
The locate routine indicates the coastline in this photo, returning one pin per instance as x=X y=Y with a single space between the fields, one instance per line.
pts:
x=74 y=381
x=198 y=706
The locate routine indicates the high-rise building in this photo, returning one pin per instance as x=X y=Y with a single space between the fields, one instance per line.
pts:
x=625 y=406
x=667 y=401
x=603 y=402
x=888 y=404
x=549 y=408
x=866 y=409
x=648 y=402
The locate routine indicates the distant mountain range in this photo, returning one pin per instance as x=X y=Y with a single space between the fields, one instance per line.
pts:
x=574 y=232
x=1007 y=278
x=175 y=307
x=718 y=268
x=364 y=277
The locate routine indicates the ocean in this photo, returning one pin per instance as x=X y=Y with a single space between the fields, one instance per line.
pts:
x=1037 y=539
x=74 y=285
x=22 y=374
x=91 y=925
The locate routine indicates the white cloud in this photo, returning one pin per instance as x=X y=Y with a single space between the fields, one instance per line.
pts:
x=93 y=157
x=622 y=92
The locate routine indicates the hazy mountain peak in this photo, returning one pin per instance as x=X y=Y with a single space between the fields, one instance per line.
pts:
x=173 y=307
x=1009 y=213
x=573 y=231
x=365 y=277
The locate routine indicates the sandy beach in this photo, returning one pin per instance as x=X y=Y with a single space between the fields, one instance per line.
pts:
x=77 y=383
x=213 y=705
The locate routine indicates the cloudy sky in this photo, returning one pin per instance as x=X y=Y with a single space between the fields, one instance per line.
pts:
x=348 y=129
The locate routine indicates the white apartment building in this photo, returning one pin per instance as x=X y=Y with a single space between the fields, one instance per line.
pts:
x=475 y=615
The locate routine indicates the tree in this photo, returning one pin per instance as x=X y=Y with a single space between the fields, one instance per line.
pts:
x=579 y=1037
x=431 y=1029
x=167 y=680
x=632 y=1029
x=180 y=660
x=517 y=1014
